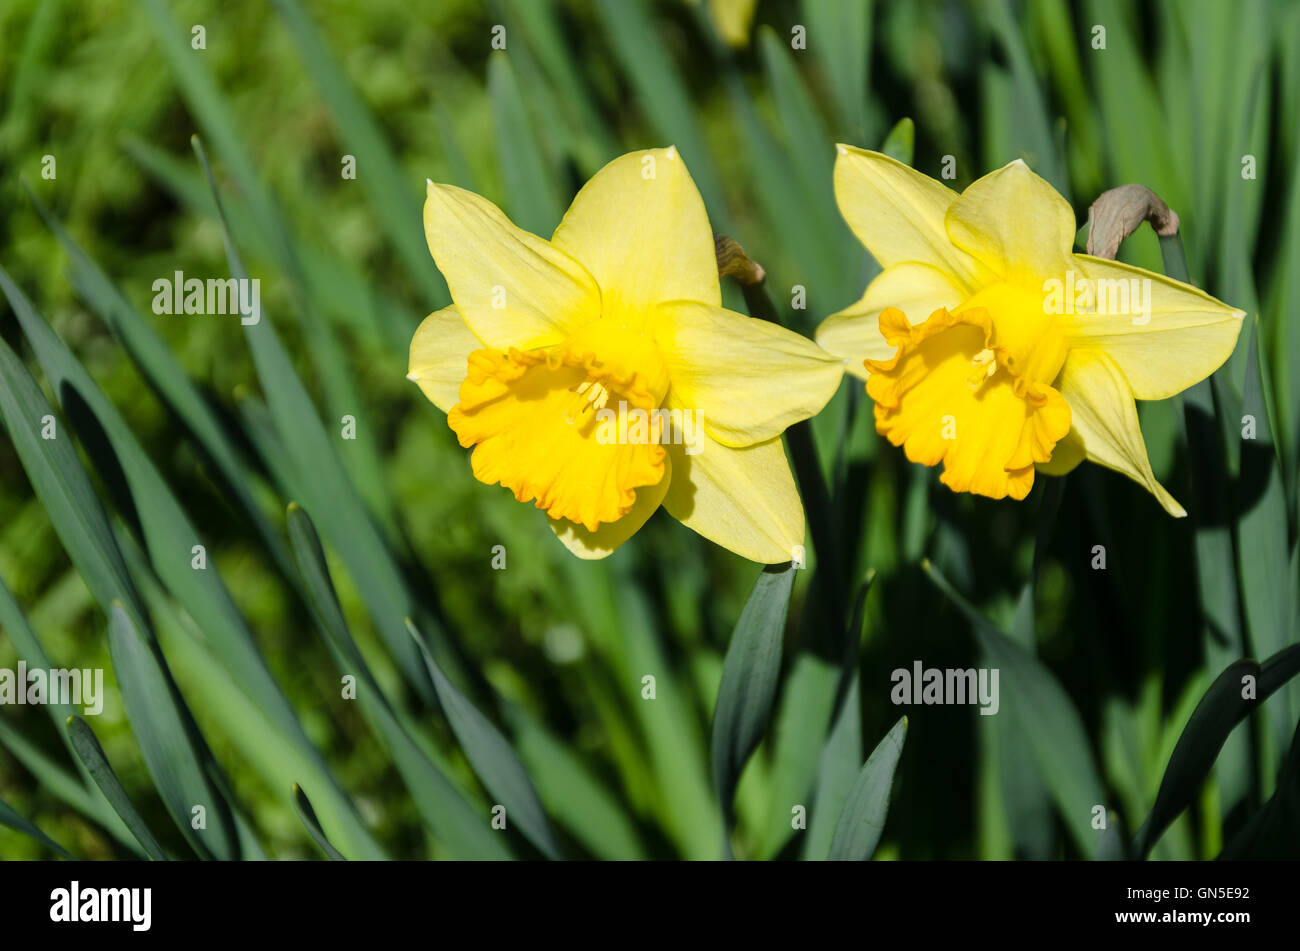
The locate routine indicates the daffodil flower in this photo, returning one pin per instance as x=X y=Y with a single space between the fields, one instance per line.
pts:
x=598 y=374
x=987 y=344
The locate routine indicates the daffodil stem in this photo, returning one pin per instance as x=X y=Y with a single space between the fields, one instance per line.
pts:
x=1174 y=258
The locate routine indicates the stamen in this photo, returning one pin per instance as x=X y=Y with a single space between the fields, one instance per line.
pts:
x=984 y=366
x=587 y=397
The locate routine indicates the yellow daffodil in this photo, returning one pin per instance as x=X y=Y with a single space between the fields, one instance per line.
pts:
x=598 y=374
x=988 y=345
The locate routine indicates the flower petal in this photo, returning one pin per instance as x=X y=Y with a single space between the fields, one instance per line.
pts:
x=1065 y=457
x=1185 y=337
x=1015 y=224
x=898 y=213
x=917 y=289
x=747 y=379
x=601 y=543
x=1105 y=420
x=513 y=288
x=639 y=227
x=439 y=358
x=742 y=499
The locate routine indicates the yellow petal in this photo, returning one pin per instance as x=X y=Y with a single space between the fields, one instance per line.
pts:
x=914 y=288
x=1185 y=336
x=1105 y=420
x=1015 y=224
x=640 y=229
x=601 y=543
x=439 y=358
x=513 y=288
x=742 y=499
x=1065 y=457
x=746 y=379
x=898 y=213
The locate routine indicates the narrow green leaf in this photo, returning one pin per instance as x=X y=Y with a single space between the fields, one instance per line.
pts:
x=661 y=94
x=92 y=755
x=492 y=757
x=749 y=676
x=325 y=483
x=836 y=774
x=839 y=35
x=1268 y=588
x=446 y=812
x=578 y=799
x=858 y=832
x=530 y=184
x=1220 y=710
x=16 y=822
x=155 y=360
x=302 y=806
x=397 y=197
x=169 y=745
x=1046 y=717
x=1274 y=832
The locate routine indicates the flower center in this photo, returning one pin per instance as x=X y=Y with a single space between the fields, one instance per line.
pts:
x=951 y=394
x=531 y=417
x=1025 y=335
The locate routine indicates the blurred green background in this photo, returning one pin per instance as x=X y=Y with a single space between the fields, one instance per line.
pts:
x=1103 y=670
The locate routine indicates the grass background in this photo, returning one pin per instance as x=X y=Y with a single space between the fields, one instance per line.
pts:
x=185 y=430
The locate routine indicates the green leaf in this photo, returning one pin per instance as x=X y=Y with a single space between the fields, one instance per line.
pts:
x=156 y=361
x=839 y=36
x=1274 y=831
x=92 y=755
x=749 y=676
x=661 y=93
x=58 y=478
x=900 y=144
x=302 y=806
x=1268 y=587
x=167 y=531
x=836 y=775
x=491 y=756
x=449 y=816
x=16 y=822
x=578 y=799
x=173 y=752
x=863 y=820
x=530 y=184
x=172 y=749
x=257 y=740
x=14 y=623
x=1046 y=718
x=1220 y=710
x=396 y=196
x=324 y=482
